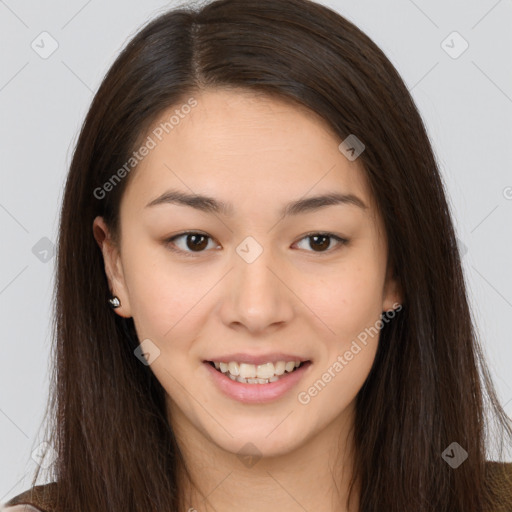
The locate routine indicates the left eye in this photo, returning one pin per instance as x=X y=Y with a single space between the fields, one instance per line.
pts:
x=196 y=242
x=321 y=240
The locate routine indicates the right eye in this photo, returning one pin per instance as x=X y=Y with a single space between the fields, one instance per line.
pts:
x=193 y=240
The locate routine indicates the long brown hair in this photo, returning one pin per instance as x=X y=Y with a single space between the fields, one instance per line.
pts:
x=429 y=385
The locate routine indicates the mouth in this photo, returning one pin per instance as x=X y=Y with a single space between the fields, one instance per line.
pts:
x=279 y=372
x=257 y=390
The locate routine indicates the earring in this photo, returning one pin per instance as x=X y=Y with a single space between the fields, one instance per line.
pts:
x=114 y=302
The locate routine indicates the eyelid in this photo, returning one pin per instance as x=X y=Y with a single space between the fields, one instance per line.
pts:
x=341 y=241
x=169 y=241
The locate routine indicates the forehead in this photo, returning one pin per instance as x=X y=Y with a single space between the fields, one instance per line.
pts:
x=237 y=145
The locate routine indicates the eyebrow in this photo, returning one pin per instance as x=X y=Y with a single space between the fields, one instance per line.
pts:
x=211 y=205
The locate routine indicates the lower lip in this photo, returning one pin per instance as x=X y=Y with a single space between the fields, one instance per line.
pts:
x=257 y=393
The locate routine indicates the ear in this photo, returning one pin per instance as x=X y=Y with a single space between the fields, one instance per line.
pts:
x=393 y=293
x=113 y=266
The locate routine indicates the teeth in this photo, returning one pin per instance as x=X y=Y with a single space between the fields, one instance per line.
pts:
x=289 y=366
x=279 y=367
x=253 y=381
x=256 y=374
x=233 y=368
x=248 y=371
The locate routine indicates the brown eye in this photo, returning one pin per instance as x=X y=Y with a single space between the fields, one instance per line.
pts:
x=194 y=242
x=197 y=243
x=320 y=242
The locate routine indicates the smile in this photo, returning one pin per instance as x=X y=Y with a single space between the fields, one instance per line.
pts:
x=256 y=374
x=255 y=390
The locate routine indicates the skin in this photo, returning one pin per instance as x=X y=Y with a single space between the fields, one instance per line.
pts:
x=258 y=153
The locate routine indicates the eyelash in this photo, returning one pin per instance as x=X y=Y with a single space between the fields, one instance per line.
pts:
x=168 y=242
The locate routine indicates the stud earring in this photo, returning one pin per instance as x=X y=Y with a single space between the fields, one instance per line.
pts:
x=114 y=302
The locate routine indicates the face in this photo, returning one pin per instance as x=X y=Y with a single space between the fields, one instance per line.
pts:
x=248 y=280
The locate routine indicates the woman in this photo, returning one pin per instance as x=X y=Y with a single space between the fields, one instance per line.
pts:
x=255 y=196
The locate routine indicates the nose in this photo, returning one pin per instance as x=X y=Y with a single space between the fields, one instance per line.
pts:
x=258 y=296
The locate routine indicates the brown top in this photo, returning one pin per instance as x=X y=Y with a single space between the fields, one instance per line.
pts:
x=498 y=475
x=39 y=497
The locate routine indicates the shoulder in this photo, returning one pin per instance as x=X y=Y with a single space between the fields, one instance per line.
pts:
x=39 y=498
x=498 y=478
x=19 y=508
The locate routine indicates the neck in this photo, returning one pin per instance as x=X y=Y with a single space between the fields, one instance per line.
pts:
x=313 y=476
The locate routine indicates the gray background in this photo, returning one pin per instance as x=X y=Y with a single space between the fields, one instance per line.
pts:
x=466 y=103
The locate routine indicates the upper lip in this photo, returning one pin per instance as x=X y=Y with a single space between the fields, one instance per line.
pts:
x=254 y=359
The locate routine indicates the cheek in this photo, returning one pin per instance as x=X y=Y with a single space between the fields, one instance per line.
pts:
x=350 y=306
x=163 y=298
x=335 y=385
x=347 y=299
